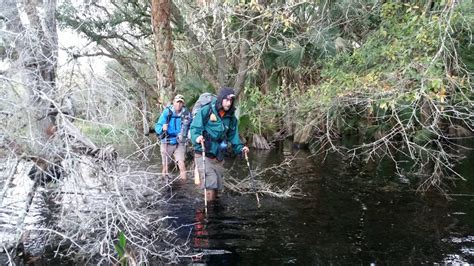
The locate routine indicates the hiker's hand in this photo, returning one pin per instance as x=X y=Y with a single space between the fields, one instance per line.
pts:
x=200 y=139
x=165 y=127
x=245 y=150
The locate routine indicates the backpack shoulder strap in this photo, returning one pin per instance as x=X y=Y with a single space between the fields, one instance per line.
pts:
x=170 y=114
x=209 y=112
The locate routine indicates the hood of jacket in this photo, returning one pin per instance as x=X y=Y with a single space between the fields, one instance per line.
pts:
x=223 y=93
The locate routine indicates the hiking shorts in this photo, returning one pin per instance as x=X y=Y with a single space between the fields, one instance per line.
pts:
x=178 y=150
x=214 y=172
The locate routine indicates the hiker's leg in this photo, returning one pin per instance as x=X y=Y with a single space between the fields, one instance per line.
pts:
x=199 y=170
x=211 y=177
x=197 y=179
x=164 y=158
x=218 y=168
x=172 y=151
x=214 y=169
x=211 y=194
x=179 y=154
x=182 y=170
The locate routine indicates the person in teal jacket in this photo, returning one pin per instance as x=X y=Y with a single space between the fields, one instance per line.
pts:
x=216 y=126
x=171 y=127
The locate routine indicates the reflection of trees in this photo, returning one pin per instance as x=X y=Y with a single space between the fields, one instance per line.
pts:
x=45 y=212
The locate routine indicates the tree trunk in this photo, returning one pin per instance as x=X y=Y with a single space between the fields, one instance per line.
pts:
x=243 y=67
x=165 y=67
x=221 y=57
x=243 y=63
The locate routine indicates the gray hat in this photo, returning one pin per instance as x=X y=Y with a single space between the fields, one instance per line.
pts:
x=179 y=98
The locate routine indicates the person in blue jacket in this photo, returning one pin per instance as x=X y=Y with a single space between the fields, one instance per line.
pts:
x=172 y=127
x=215 y=126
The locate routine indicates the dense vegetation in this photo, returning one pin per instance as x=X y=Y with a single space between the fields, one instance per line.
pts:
x=396 y=75
x=406 y=89
x=393 y=77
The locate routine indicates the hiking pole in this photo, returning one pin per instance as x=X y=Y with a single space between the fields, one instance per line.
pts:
x=204 y=174
x=252 y=178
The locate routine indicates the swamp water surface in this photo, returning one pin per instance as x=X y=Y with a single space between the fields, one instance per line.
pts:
x=344 y=217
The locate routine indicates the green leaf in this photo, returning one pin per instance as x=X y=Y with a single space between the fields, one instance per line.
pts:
x=122 y=240
x=120 y=251
x=291 y=56
x=436 y=84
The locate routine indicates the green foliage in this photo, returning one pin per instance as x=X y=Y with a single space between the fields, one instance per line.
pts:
x=463 y=28
x=401 y=49
x=281 y=56
x=260 y=113
x=245 y=123
x=191 y=87
x=120 y=248
x=396 y=69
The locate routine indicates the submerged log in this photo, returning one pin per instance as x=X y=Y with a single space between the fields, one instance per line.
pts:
x=259 y=142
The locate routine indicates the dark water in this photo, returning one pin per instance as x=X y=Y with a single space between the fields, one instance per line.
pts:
x=345 y=218
x=352 y=213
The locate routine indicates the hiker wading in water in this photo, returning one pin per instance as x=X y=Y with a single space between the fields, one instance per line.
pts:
x=215 y=125
x=171 y=127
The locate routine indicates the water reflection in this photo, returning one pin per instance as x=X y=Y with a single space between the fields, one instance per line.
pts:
x=200 y=236
x=346 y=217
